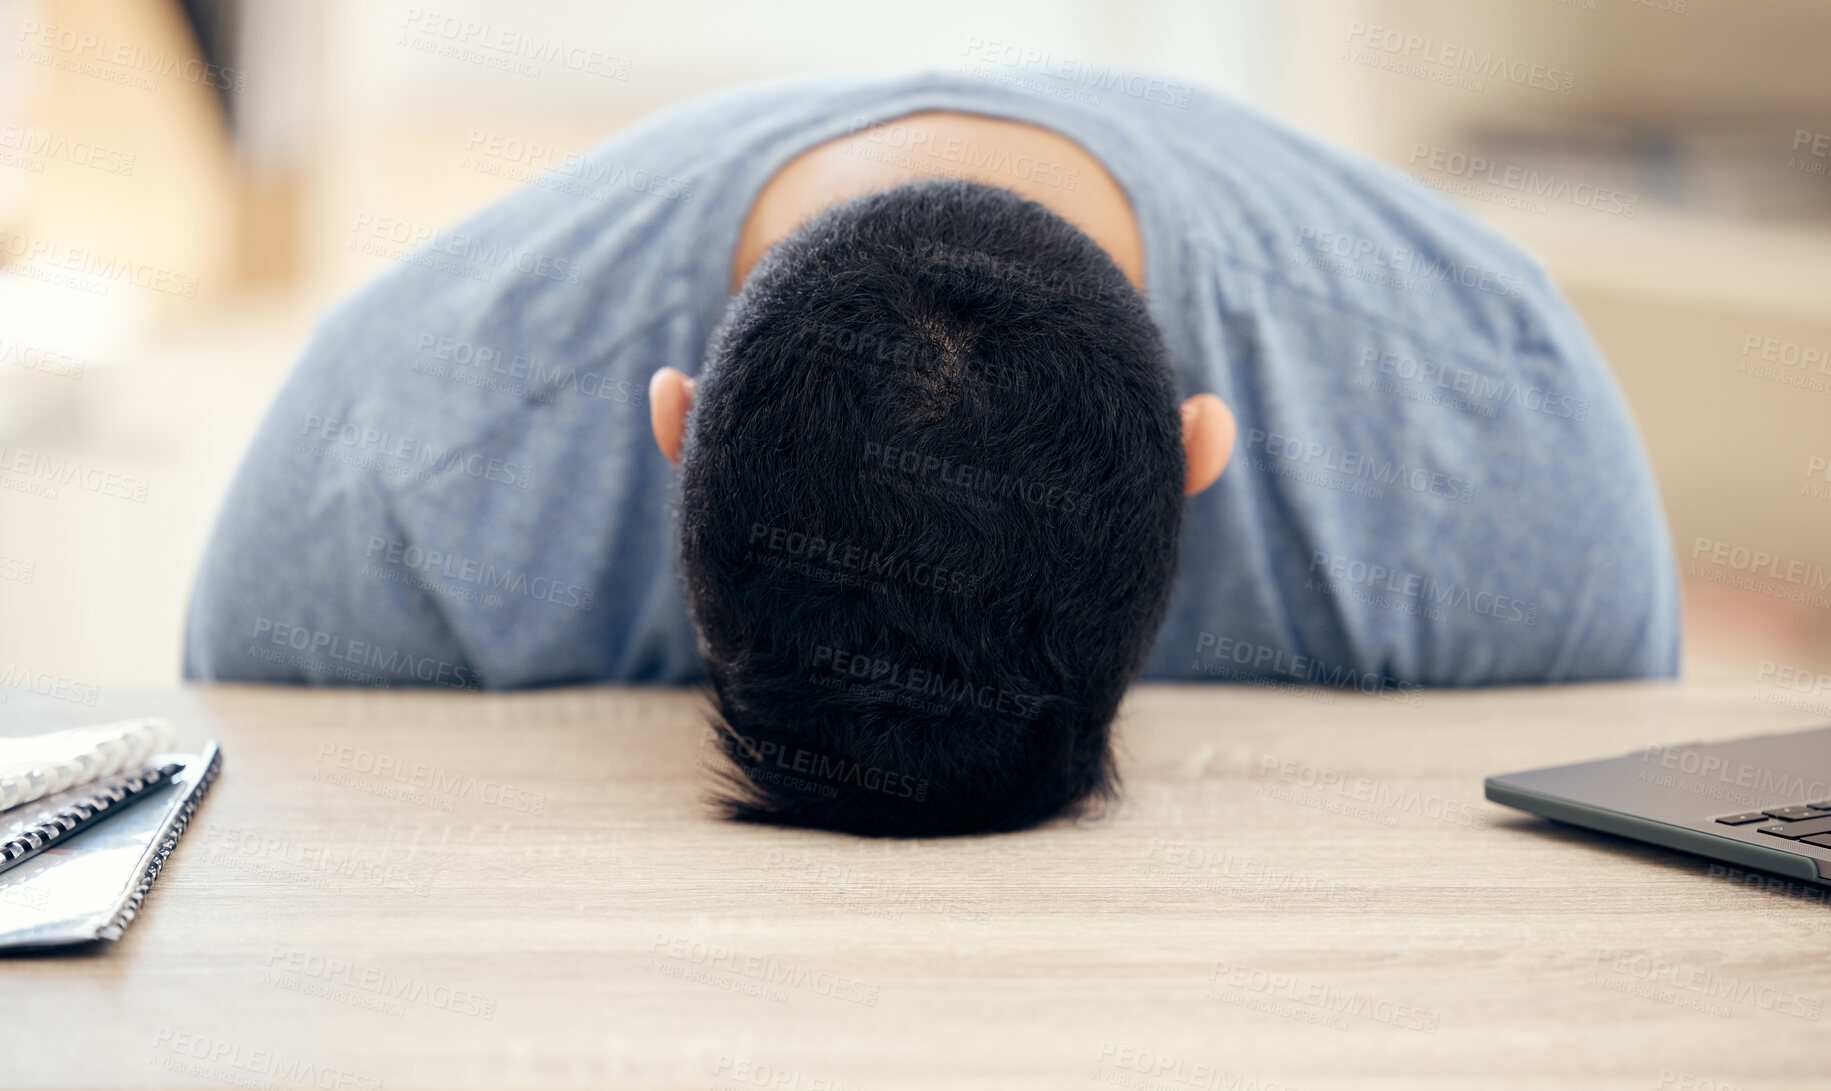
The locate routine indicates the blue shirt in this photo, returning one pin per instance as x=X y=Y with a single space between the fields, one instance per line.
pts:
x=1436 y=481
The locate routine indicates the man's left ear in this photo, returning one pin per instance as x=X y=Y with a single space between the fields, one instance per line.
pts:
x=670 y=399
x=1208 y=434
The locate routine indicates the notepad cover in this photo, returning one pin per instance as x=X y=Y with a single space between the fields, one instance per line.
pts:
x=90 y=887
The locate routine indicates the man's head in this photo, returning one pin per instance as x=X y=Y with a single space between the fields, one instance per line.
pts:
x=933 y=483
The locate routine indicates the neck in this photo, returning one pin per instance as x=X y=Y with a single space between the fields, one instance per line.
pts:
x=1035 y=163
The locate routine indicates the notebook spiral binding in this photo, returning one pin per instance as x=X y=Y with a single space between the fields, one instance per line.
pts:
x=34 y=838
x=81 y=755
x=168 y=841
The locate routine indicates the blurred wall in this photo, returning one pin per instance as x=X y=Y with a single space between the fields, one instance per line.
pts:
x=1702 y=265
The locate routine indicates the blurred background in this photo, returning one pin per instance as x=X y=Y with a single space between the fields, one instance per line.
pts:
x=181 y=186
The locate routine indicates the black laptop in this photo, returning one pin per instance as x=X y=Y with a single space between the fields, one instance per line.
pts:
x=1759 y=803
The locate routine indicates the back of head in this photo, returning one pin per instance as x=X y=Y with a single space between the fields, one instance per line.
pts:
x=930 y=505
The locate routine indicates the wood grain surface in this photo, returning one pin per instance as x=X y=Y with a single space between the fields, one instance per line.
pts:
x=1299 y=890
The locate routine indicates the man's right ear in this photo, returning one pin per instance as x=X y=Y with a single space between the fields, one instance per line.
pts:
x=670 y=399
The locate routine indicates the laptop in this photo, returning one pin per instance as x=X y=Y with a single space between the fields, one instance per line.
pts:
x=1762 y=803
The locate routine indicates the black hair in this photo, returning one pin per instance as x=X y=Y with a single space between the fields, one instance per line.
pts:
x=930 y=506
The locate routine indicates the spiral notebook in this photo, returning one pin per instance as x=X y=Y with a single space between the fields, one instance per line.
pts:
x=34 y=766
x=76 y=864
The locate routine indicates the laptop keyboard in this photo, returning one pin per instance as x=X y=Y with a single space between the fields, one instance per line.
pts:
x=1807 y=823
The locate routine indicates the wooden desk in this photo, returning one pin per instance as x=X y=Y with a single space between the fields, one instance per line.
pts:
x=1299 y=891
